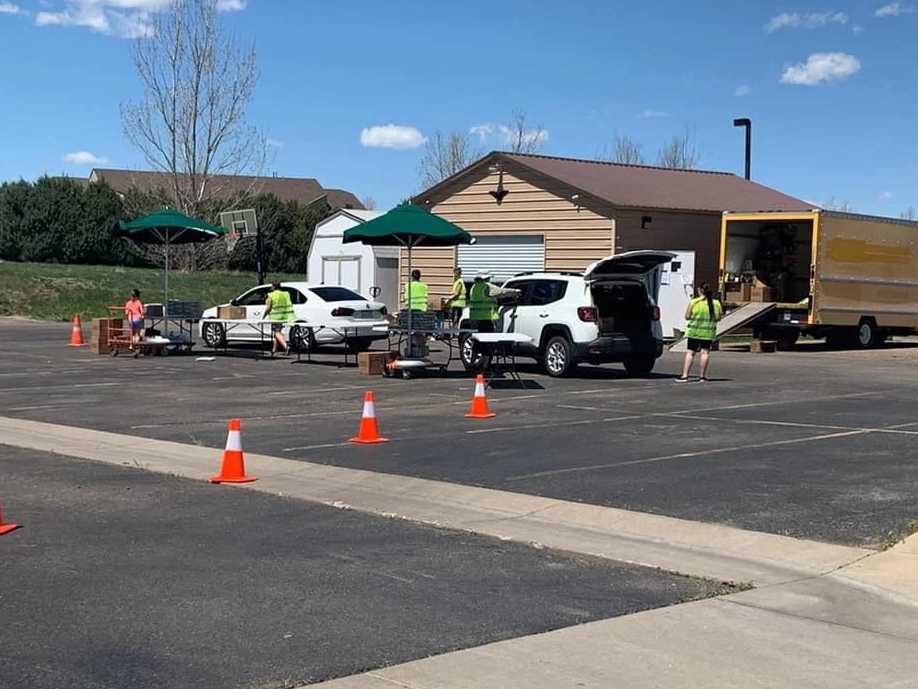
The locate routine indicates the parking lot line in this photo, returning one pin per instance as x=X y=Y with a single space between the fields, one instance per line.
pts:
x=682 y=455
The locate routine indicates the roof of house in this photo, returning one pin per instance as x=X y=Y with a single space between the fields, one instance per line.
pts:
x=304 y=190
x=644 y=186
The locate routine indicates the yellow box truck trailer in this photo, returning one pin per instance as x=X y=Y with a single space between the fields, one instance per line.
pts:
x=852 y=279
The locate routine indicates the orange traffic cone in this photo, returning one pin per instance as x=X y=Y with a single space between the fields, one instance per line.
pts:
x=479 y=408
x=233 y=469
x=76 y=333
x=6 y=528
x=368 y=433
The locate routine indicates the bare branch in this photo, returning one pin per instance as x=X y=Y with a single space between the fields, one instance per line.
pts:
x=523 y=140
x=444 y=156
x=843 y=205
x=624 y=150
x=909 y=213
x=680 y=153
x=191 y=122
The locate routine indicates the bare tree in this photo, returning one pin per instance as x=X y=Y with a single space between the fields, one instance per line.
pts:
x=444 y=156
x=843 y=205
x=191 y=122
x=523 y=140
x=680 y=153
x=369 y=203
x=624 y=150
x=909 y=214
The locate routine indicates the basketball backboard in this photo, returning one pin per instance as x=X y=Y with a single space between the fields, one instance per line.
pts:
x=242 y=222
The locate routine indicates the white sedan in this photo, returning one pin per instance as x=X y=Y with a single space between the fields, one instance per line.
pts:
x=335 y=315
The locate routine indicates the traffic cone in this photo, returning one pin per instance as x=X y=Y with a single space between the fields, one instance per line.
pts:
x=233 y=468
x=76 y=332
x=479 y=408
x=6 y=528
x=368 y=433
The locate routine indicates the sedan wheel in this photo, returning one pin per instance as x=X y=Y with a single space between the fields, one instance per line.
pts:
x=213 y=334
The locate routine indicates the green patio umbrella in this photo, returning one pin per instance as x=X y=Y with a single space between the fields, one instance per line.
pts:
x=408 y=226
x=166 y=227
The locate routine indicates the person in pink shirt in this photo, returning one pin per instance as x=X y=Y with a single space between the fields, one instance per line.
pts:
x=133 y=311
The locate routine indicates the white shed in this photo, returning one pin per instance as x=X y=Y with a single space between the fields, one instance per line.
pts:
x=370 y=270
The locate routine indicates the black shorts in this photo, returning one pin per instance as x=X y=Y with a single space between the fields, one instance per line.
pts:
x=694 y=344
x=277 y=327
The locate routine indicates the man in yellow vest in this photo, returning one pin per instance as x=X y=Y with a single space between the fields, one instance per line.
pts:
x=415 y=297
x=280 y=308
x=457 y=297
x=482 y=304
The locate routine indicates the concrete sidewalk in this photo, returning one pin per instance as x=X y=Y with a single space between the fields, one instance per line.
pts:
x=823 y=616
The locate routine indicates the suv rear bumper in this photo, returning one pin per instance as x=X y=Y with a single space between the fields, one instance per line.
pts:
x=615 y=348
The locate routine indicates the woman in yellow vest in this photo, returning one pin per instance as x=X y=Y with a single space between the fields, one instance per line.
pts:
x=280 y=308
x=702 y=315
x=415 y=293
x=457 y=297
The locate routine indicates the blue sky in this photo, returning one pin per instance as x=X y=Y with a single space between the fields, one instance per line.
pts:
x=830 y=87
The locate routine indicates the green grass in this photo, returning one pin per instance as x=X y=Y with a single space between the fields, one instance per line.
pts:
x=49 y=291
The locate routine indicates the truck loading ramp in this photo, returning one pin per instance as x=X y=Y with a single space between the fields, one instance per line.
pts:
x=734 y=320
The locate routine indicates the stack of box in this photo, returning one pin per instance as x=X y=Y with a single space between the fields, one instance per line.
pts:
x=373 y=363
x=101 y=327
x=759 y=291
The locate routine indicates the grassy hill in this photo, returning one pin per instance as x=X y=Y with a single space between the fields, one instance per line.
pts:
x=50 y=291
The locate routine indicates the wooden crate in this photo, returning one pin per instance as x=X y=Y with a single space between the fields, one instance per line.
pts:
x=373 y=363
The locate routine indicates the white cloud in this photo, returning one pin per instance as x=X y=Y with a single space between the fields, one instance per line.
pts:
x=652 y=114
x=886 y=196
x=122 y=18
x=391 y=136
x=274 y=143
x=857 y=29
x=506 y=135
x=894 y=9
x=10 y=8
x=820 y=68
x=742 y=90
x=84 y=158
x=808 y=20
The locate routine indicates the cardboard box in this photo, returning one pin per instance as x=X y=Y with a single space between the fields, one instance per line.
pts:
x=746 y=292
x=763 y=293
x=231 y=313
x=373 y=363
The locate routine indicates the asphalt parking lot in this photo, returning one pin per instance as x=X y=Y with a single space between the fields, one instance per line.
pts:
x=125 y=578
x=809 y=443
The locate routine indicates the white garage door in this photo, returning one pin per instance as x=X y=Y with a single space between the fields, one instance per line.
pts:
x=502 y=255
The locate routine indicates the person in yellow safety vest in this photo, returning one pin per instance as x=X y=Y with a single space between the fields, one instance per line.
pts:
x=415 y=297
x=278 y=307
x=482 y=304
x=457 y=298
x=702 y=315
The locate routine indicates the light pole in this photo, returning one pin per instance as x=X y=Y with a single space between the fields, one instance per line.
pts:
x=747 y=123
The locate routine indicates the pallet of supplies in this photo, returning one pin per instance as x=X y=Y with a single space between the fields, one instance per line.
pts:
x=101 y=327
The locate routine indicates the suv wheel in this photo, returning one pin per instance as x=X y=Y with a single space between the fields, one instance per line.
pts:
x=867 y=335
x=558 y=357
x=640 y=365
x=302 y=339
x=471 y=355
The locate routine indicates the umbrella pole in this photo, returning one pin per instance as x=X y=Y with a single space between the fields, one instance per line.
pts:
x=166 y=291
x=410 y=330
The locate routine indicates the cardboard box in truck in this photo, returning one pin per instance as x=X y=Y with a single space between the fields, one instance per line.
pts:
x=850 y=278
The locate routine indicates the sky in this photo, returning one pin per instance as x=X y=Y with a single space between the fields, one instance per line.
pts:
x=349 y=91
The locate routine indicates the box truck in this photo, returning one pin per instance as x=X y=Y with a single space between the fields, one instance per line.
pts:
x=852 y=279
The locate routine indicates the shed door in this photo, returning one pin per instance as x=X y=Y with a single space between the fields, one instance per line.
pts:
x=503 y=256
x=341 y=270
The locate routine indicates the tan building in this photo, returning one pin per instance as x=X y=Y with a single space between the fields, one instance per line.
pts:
x=535 y=212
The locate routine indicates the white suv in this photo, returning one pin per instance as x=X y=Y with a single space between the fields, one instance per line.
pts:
x=606 y=315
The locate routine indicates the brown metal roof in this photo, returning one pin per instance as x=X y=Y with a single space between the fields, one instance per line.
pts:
x=645 y=186
x=303 y=190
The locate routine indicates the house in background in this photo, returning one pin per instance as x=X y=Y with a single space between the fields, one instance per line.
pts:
x=303 y=190
x=534 y=212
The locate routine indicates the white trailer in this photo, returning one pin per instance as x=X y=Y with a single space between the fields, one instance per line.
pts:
x=368 y=270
